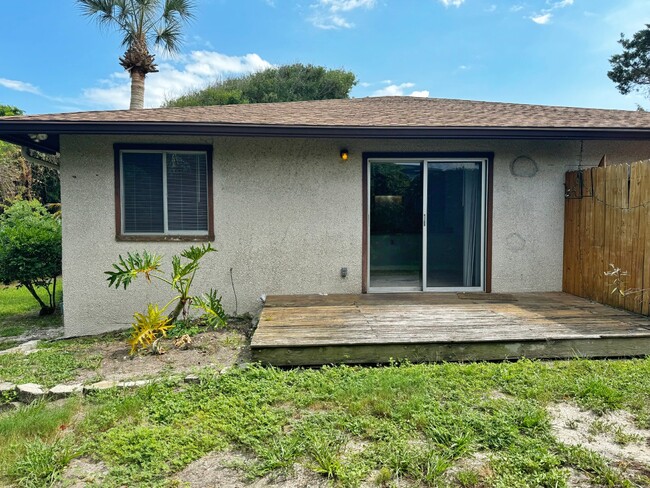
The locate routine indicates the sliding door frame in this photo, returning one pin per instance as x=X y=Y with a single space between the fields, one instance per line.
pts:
x=487 y=160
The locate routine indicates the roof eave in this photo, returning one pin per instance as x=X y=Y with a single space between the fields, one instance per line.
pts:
x=18 y=132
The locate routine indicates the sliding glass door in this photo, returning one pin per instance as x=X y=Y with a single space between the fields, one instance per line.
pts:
x=427 y=225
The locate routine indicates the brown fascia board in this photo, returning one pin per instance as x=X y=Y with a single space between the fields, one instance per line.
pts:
x=18 y=131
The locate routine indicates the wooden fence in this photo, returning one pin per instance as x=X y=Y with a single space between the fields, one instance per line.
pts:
x=607 y=212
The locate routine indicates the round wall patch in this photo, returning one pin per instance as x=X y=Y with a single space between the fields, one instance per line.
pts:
x=524 y=167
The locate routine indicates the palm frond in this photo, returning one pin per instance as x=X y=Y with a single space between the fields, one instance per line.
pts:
x=158 y=21
x=126 y=270
x=181 y=8
x=169 y=36
x=148 y=327
x=194 y=253
x=213 y=312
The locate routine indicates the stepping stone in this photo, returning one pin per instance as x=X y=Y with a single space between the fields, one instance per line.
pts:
x=192 y=378
x=30 y=392
x=134 y=384
x=100 y=386
x=64 y=391
x=10 y=406
x=25 y=348
x=6 y=388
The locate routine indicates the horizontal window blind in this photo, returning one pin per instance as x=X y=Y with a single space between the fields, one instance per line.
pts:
x=187 y=192
x=151 y=180
x=142 y=175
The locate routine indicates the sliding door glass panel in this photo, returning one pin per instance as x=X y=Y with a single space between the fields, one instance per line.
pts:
x=454 y=224
x=396 y=225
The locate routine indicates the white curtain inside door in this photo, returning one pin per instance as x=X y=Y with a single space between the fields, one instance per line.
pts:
x=471 y=194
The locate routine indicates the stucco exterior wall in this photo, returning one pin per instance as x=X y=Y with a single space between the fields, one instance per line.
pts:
x=288 y=216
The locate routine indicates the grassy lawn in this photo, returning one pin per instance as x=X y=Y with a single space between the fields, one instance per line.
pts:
x=406 y=425
x=52 y=363
x=19 y=312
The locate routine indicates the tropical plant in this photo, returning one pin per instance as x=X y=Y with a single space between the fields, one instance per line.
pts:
x=142 y=23
x=289 y=83
x=210 y=303
x=631 y=69
x=147 y=328
x=30 y=250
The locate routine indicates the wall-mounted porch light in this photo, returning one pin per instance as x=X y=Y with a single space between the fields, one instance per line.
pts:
x=344 y=154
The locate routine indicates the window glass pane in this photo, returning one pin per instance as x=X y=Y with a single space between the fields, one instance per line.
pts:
x=142 y=196
x=454 y=199
x=396 y=225
x=187 y=192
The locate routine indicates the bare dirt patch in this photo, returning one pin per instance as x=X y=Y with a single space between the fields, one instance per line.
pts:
x=83 y=472
x=613 y=435
x=218 y=349
x=219 y=469
x=479 y=462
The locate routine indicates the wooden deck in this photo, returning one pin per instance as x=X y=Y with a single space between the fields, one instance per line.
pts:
x=375 y=328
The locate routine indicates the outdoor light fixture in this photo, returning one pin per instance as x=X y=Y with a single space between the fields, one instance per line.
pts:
x=344 y=155
x=38 y=137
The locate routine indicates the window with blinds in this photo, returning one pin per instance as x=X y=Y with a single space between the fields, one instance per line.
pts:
x=164 y=192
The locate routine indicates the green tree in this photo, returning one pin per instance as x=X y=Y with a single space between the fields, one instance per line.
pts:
x=8 y=110
x=631 y=69
x=290 y=83
x=142 y=23
x=30 y=250
x=20 y=178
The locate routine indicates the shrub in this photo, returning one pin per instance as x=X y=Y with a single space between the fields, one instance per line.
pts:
x=150 y=327
x=30 y=250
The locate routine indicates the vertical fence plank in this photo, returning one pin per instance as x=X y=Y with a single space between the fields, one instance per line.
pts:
x=644 y=223
x=636 y=237
x=587 y=236
x=600 y=260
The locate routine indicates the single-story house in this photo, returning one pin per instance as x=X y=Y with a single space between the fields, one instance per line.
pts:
x=384 y=194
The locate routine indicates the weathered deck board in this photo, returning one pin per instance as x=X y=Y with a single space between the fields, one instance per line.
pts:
x=320 y=329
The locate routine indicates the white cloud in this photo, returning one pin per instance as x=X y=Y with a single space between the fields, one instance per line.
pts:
x=544 y=17
x=365 y=84
x=491 y=8
x=541 y=19
x=399 y=91
x=452 y=3
x=194 y=70
x=562 y=4
x=20 y=86
x=327 y=14
x=516 y=8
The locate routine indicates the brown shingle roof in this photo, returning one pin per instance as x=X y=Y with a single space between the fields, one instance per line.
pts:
x=380 y=112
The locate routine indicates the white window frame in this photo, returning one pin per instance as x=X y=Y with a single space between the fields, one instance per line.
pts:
x=166 y=231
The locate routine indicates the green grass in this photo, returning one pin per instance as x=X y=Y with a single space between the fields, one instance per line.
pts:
x=19 y=311
x=412 y=423
x=47 y=366
x=36 y=447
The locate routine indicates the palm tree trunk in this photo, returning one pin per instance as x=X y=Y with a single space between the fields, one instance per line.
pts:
x=137 y=89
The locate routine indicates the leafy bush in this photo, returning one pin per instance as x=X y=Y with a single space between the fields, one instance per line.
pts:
x=148 y=328
x=288 y=83
x=30 y=250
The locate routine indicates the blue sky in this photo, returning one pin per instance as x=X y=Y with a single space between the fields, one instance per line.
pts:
x=551 y=52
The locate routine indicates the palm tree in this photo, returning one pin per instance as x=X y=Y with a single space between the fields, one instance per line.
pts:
x=142 y=23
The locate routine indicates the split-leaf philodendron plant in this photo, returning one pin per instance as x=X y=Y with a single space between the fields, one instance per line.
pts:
x=153 y=324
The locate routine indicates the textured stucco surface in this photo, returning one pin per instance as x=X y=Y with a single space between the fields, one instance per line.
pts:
x=288 y=217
